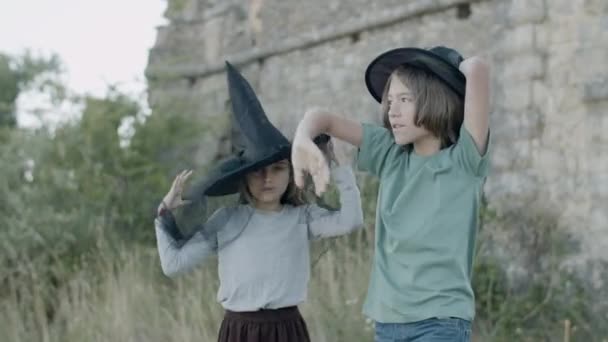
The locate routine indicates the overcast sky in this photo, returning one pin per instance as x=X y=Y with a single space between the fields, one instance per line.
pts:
x=100 y=42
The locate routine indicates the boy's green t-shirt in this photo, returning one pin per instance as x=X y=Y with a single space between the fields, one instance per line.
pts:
x=426 y=224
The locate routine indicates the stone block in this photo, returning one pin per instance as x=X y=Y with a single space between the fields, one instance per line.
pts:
x=212 y=39
x=595 y=7
x=540 y=93
x=524 y=67
x=526 y=11
x=596 y=90
x=518 y=40
x=515 y=96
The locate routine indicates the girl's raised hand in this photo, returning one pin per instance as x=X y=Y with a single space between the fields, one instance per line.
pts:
x=173 y=199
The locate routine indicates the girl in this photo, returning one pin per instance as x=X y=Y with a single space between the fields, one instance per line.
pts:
x=431 y=157
x=263 y=243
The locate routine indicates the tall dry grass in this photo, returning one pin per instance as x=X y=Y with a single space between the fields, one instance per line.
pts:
x=124 y=297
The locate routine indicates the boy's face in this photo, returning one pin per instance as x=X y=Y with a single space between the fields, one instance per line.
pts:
x=401 y=114
x=268 y=184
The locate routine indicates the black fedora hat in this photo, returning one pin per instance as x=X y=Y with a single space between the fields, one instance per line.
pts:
x=440 y=61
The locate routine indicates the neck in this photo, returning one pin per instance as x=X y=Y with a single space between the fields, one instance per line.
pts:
x=427 y=146
x=268 y=206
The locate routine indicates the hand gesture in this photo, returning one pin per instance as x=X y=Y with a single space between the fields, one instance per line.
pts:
x=327 y=148
x=173 y=199
x=472 y=65
x=307 y=157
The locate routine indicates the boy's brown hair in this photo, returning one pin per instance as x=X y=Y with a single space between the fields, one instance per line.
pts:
x=438 y=108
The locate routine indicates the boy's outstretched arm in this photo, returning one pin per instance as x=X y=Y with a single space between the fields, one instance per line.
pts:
x=317 y=121
x=477 y=100
x=306 y=156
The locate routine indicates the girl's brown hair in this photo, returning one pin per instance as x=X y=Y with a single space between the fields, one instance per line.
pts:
x=438 y=108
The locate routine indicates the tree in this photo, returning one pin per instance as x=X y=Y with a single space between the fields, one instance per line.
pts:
x=22 y=73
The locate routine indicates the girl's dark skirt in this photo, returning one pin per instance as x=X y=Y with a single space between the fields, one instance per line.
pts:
x=279 y=325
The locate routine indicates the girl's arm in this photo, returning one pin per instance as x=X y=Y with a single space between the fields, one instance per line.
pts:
x=306 y=156
x=477 y=100
x=326 y=223
x=178 y=255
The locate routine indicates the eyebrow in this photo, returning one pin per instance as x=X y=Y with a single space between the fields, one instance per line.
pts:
x=401 y=94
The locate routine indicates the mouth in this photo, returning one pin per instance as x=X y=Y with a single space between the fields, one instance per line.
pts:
x=397 y=126
x=267 y=189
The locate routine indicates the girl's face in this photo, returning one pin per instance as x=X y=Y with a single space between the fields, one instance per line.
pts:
x=267 y=185
x=401 y=114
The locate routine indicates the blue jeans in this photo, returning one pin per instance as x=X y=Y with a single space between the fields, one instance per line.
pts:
x=428 y=330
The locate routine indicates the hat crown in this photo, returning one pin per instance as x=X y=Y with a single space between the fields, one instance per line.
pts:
x=450 y=56
x=252 y=133
x=439 y=61
x=256 y=142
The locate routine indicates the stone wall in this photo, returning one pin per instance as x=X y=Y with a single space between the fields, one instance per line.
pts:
x=550 y=79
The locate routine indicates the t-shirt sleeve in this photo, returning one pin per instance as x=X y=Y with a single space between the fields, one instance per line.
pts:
x=375 y=149
x=465 y=154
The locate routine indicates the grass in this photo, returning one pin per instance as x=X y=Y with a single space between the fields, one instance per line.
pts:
x=118 y=293
x=125 y=297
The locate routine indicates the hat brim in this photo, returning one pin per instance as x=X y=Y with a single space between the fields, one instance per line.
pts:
x=380 y=69
x=224 y=179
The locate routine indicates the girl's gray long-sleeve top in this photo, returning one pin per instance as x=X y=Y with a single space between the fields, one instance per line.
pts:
x=263 y=259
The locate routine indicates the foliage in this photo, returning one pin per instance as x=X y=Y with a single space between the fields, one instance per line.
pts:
x=19 y=74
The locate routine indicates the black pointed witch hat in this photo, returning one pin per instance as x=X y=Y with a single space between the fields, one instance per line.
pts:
x=256 y=141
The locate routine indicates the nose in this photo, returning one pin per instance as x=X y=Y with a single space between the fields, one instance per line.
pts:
x=265 y=175
x=393 y=112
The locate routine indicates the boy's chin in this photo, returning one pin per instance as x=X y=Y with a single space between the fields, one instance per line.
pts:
x=402 y=141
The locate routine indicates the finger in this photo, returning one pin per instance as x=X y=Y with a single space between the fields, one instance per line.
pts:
x=325 y=177
x=319 y=188
x=185 y=179
x=182 y=175
x=298 y=175
x=187 y=175
x=182 y=178
x=178 y=178
x=299 y=163
x=322 y=175
x=320 y=184
x=183 y=202
x=175 y=180
x=323 y=181
x=178 y=181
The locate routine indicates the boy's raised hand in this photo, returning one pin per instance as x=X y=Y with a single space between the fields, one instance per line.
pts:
x=306 y=157
x=473 y=64
x=329 y=153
